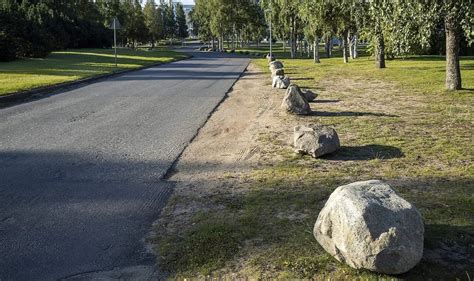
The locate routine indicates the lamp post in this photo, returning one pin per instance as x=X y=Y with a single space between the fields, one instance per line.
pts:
x=270 y=25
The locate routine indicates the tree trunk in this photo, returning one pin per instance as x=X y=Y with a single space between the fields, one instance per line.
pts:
x=354 y=46
x=453 y=69
x=344 y=47
x=316 y=50
x=350 y=43
x=327 y=47
x=380 y=52
x=293 y=39
x=307 y=48
x=331 y=45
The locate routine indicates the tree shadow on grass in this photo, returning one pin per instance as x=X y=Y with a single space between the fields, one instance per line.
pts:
x=281 y=219
x=349 y=113
x=365 y=152
x=326 y=101
x=301 y=79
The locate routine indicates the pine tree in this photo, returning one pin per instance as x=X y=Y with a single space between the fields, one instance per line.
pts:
x=182 y=27
x=153 y=21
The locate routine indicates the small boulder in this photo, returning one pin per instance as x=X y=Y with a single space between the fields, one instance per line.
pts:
x=309 y=95
x=367 y=225
x=316 y=140
x=270 y=58
x=294 y=102
x=278 y=72
x=281 y=82
x=275 y=64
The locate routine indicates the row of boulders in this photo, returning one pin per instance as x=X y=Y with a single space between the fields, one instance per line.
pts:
x=315 y=140
x=363 y=224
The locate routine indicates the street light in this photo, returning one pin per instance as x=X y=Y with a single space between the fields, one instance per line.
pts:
x=270 y=10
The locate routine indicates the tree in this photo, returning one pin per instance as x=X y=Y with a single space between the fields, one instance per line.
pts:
x=286 y=20
x=313 y=17
x=169 y=21
x=458 y=17
x=182 y=27
x=409 y=24
x=153 y=21
x=201 y=19
x=134 y=28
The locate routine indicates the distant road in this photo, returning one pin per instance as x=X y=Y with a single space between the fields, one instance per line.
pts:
x=81 y=172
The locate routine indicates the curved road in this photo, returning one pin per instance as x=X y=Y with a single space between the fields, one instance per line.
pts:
x=81 y=172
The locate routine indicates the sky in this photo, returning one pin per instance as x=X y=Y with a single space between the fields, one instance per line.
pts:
x=187 y=2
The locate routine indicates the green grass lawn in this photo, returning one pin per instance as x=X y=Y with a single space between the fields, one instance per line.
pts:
x=398 y=125
x=75 y=64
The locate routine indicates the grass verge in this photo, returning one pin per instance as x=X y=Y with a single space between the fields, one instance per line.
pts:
x=396 y=124
x=70 y=65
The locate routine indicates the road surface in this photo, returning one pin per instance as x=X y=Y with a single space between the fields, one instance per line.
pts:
x=81 y=172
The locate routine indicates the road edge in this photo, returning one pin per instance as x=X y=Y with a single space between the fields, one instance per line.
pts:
x=171 y=169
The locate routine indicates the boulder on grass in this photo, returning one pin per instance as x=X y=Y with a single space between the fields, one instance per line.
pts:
x=315 y=140
x=281 y=82
x=275 y=65
x=270 y=58
x=294 y=102
x=309 y=95
x=278 y=72
x=367 y=225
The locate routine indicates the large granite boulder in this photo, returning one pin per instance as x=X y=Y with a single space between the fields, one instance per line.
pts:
x=315 y=140
x=281 y=82
x=294 y=102
x=367 y=225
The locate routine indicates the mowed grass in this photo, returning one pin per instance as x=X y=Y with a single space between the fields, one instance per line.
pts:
x=69 y=65
x=398 y=125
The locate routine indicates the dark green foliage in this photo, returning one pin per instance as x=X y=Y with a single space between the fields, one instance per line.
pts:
x=33 y=28
x=169 y=21
x=182 y=27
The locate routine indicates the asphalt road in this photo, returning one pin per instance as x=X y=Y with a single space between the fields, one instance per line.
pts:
x=81 y=171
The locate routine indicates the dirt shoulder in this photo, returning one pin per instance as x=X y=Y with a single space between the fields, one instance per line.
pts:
x=225 y=149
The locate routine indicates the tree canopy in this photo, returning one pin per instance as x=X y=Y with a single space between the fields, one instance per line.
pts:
x=33 y=28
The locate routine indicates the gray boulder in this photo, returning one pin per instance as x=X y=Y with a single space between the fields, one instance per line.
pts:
x=367 y=225
x=294 y=102
x=309 y=95
x=278 y=72
x=275 y=65
x=315 y=140
x=281 y=82
x=270 y=58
